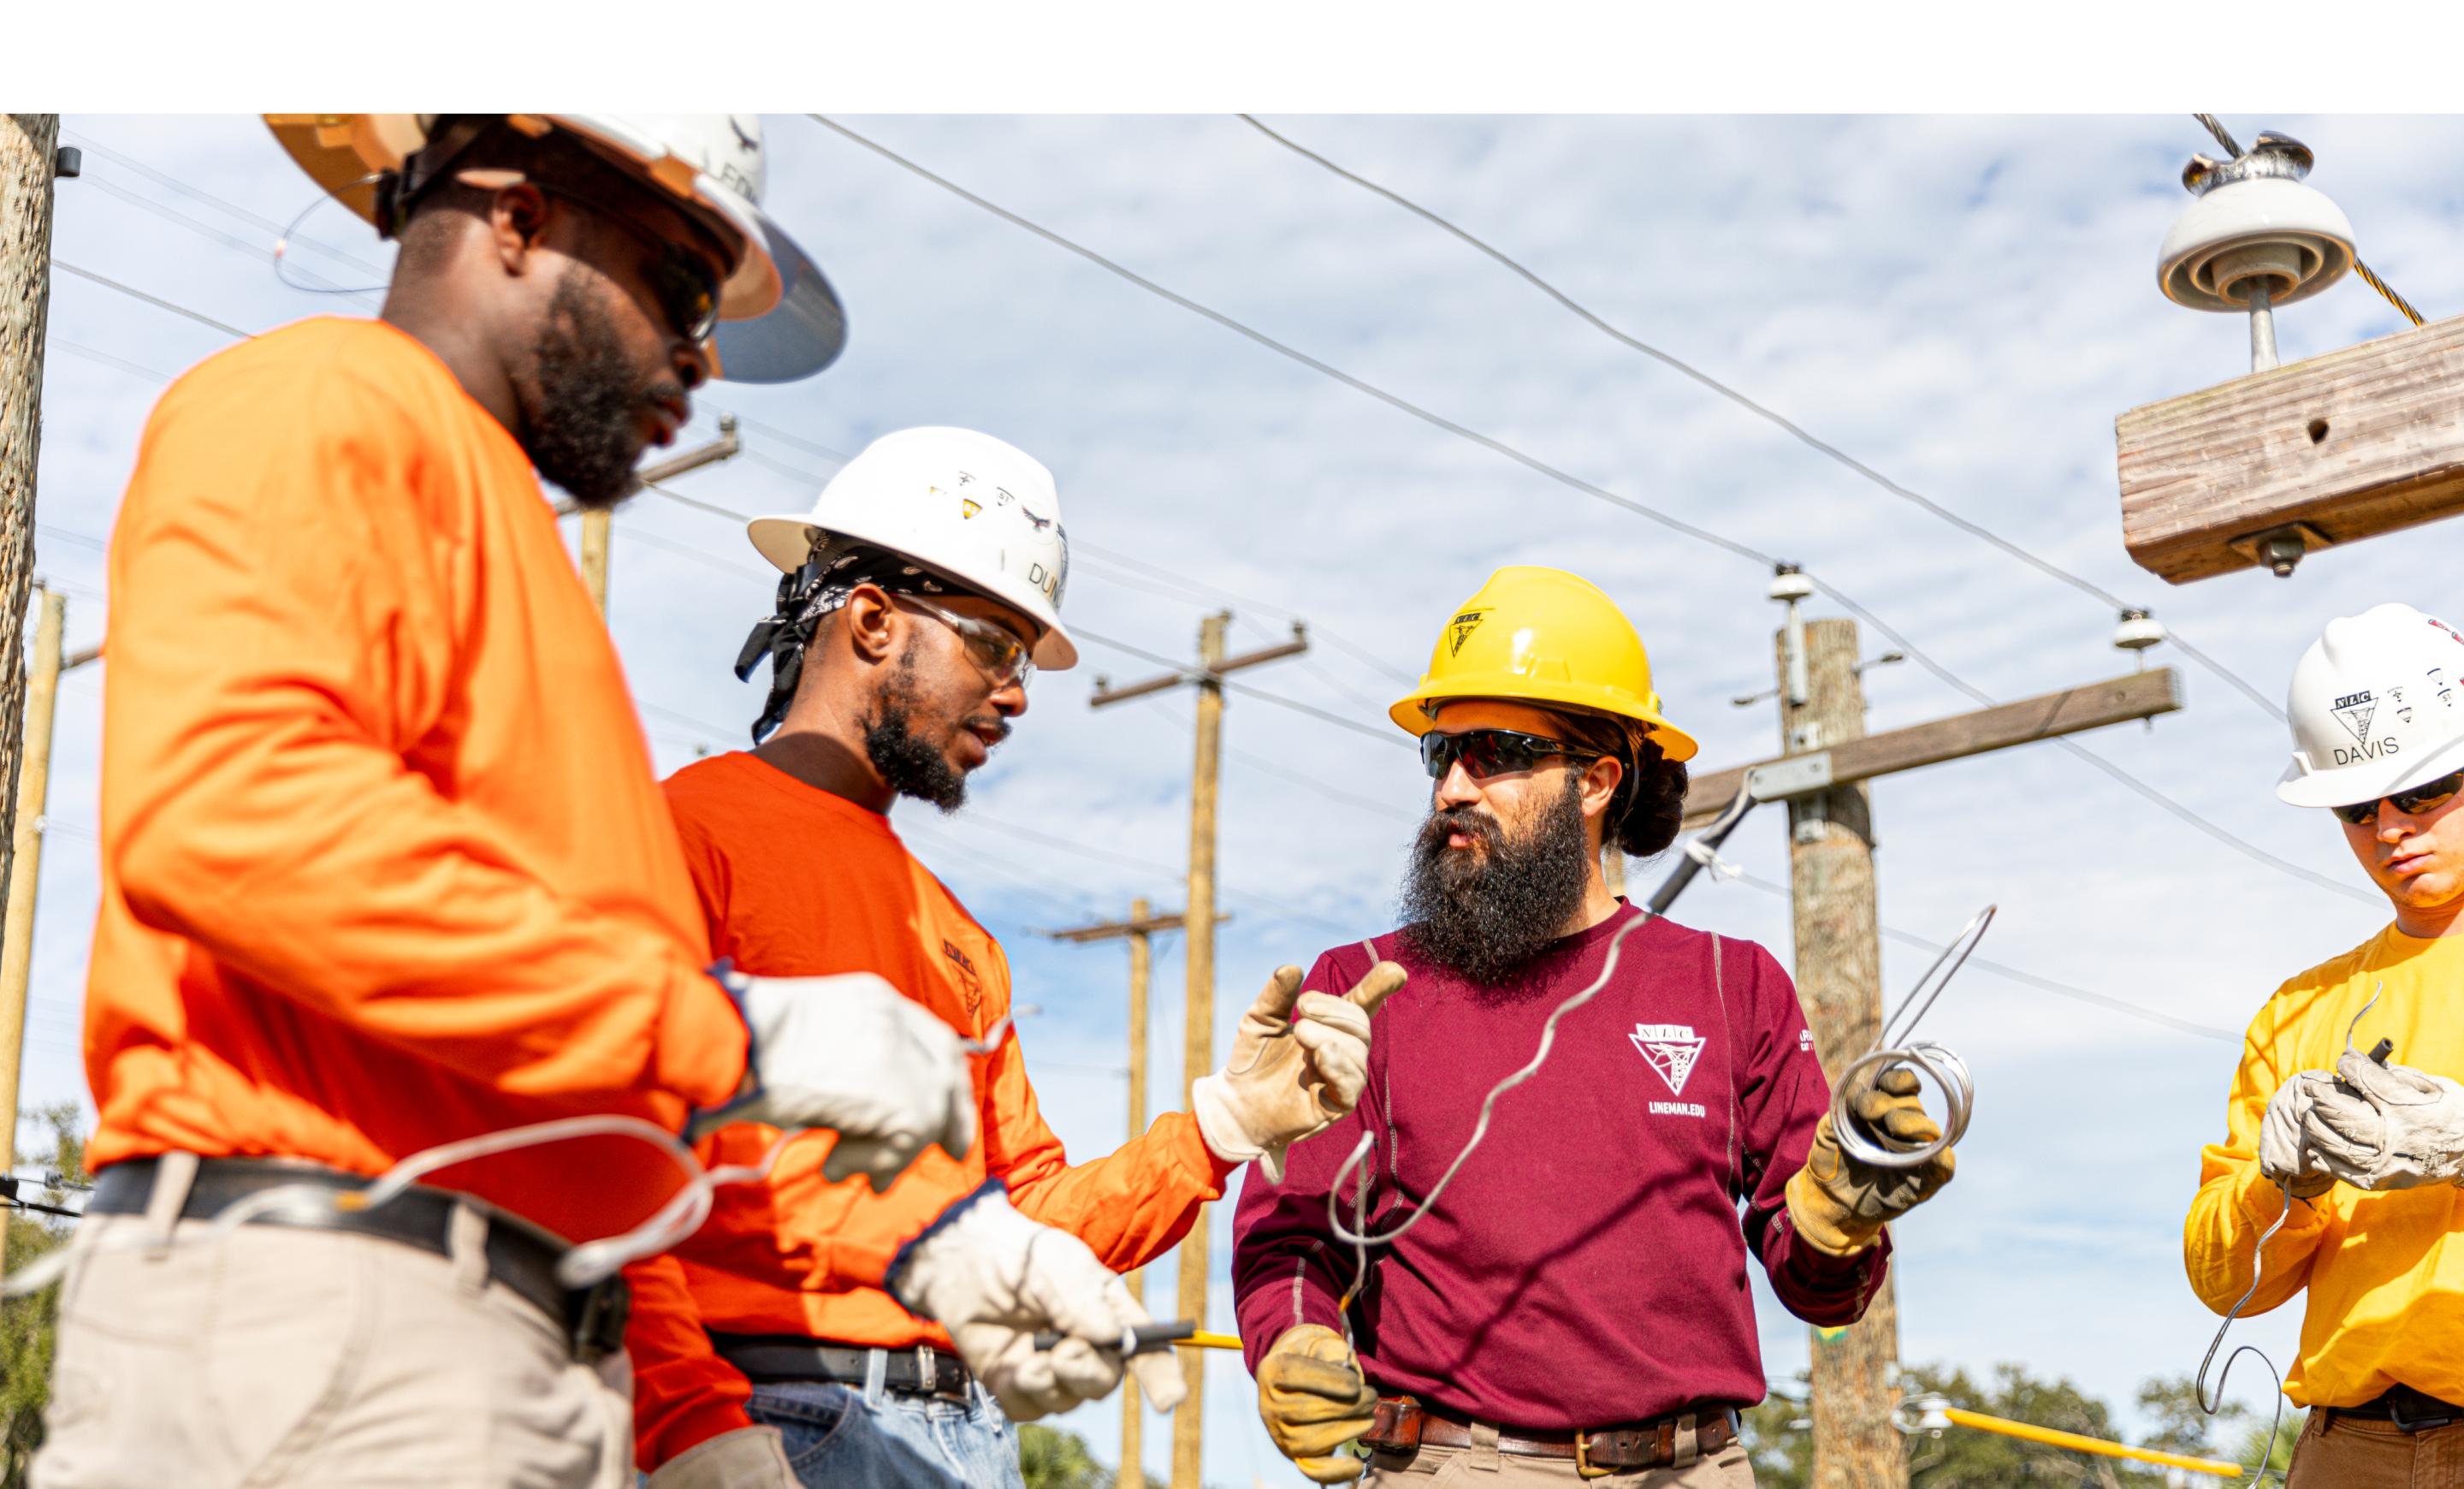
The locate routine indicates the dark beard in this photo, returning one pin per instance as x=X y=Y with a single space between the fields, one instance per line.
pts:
x=1488 y=915
x=583 y=435
x=911 y=767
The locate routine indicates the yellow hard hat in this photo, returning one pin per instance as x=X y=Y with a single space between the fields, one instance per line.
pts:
x=1545 y=637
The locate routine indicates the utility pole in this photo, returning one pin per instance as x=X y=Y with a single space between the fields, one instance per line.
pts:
x=1839 y=981
x=26 y=858
x=598 y=523
x=30 y=159
x=1138 y=930
x=1828 y=758
x=1198 y=1050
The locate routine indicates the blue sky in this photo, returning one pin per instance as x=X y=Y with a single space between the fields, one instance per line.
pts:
x=1963 y=304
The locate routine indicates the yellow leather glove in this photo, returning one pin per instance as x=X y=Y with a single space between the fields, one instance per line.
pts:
x=1840 y=1203
x=1313 y=1399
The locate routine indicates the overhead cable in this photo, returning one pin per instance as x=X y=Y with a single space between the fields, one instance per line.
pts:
x=1672 y=523
x=51 y=343
x=1760 y=410
x=2135 y=1010
x=1193 y=674
x=160 y=178
x=203 y=230
x=223 y=326
x=2224 y=137
x=1201 y=587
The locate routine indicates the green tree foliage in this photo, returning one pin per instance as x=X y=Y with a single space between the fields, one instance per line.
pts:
x=1779 y=1438
x=27 y=1324
x=1051 y=1458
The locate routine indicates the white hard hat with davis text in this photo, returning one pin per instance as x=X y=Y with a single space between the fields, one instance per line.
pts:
x=2377 y=708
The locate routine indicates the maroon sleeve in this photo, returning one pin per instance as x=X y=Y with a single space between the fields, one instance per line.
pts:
x=1286 y=1268
x=1782 y=1097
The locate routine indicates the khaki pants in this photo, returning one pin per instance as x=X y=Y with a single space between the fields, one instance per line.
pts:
x=2345 y=1453
x=291 y=1356
x=1486 y=1468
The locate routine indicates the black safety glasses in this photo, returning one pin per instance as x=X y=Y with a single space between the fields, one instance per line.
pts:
x=2425 y=797
x=1488 y=752
x=684 y=282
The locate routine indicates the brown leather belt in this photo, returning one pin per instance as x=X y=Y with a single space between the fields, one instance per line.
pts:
x=1676 y=1440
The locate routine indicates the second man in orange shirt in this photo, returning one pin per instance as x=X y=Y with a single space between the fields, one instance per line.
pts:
x=921 y=592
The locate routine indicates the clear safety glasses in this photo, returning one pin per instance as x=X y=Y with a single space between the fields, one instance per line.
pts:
x=1488 y=752
x=2427 y=796
x=1006 y=658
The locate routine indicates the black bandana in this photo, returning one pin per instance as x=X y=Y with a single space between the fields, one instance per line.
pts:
x=820 y=587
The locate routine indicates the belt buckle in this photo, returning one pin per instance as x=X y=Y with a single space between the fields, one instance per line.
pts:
x=1583 y=1464
x=598 y=1314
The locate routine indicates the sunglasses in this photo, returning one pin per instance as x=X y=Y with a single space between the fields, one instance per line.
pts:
x=1488 y=752
x=685 y=283
x=2413 y=803
x=1002 y=655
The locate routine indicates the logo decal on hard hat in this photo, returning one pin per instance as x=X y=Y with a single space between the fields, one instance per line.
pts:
x=1671 y=1049
x=1041 y=523
x=970 y=508
x=1462 y=626
x=2353 y=711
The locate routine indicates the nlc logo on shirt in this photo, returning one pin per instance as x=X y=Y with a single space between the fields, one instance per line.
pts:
x=1671 y=1049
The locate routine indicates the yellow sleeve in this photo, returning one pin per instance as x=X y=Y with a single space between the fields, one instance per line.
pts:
x=2235 y=1204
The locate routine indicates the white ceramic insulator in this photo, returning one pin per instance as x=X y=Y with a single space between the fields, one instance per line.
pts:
x=2137 y=636
x=2284 y=231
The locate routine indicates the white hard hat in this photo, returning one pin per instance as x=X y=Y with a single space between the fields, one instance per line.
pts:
x=778 y=317
x=966 y=505
x=2376 y=708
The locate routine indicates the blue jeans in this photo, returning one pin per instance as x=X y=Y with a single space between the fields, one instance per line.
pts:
x=837 y=1438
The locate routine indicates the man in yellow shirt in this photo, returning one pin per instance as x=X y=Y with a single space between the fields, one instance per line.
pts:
x=2344 y=1125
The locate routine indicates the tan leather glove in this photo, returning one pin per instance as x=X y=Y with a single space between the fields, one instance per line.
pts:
x=1297 y=1065
x=2283 y=1153
x=1840 y=1203
x=1313 y=1399
x=749 y=1457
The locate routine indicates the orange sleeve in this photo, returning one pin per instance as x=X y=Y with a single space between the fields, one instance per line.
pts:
x=683 y=1392
x=1130 y=1205
x=285 y=558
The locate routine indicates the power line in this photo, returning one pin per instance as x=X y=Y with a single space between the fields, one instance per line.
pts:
x=1534 y=463
x=1763 y=411
x=105 y=358
x=1230 y=686
x=1201 y=587
x=266 y=256
x=209 y=199
x=225 y=327
x=2135 y=1010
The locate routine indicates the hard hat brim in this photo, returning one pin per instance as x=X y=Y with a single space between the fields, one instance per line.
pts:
x=1412 y=714
x=787 y=542
x=802 y=335
x=2373 y=782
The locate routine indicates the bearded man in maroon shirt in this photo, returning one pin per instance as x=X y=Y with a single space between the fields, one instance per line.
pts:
x=1574 y=1305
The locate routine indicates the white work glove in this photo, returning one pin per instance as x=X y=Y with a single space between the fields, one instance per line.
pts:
x=994 y=1278
x=749 y=1457
x=1297 y=1067
x=2387 y=1126
x=848 y=1052
x=2283 y=1152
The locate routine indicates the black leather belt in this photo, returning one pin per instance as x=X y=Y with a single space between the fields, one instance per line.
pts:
x=520 y=1255
x=2410 y=1410
x=919 y=1369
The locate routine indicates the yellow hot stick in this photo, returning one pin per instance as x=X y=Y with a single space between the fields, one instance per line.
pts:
x=2112 y=1450
x=1206 y=1340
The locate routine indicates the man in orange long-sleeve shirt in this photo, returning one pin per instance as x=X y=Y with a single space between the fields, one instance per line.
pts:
x=927 y=576
x=384 y=865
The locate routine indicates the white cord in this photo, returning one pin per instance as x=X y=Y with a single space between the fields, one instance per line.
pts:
x=585 y=1264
